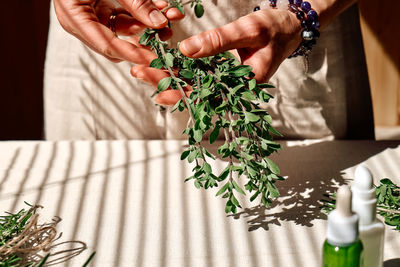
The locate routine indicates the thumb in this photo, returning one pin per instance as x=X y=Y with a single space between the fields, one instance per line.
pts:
x=146 y=12
x=238 y=34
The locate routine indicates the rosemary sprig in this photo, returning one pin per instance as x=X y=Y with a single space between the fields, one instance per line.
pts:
x=388 y=202
x=226 y=97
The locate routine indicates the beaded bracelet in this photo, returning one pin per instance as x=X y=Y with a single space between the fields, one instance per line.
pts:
x=308 y=19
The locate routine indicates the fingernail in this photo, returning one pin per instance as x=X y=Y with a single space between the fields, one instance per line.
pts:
x=191 y=46
x=157 y=18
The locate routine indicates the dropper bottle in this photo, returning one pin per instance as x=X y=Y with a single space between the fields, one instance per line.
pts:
x=342 y=247
x=371 y=229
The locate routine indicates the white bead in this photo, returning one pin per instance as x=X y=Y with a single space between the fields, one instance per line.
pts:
x=264 y=5
x=282 y=4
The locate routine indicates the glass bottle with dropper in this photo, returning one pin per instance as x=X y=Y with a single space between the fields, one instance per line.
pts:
x=342 y=247
x=371 y=229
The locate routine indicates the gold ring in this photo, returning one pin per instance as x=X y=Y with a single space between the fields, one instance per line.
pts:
x=112 y=22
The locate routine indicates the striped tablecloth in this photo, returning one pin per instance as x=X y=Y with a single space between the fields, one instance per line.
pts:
x=127 y=201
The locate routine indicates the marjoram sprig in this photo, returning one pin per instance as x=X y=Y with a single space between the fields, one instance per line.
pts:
x=225 y=98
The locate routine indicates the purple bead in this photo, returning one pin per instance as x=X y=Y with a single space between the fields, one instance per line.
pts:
x=298 y=2
x=291 y=1
x=256 y=8
x=306 y=6
x=315 y=24
x=312 y=15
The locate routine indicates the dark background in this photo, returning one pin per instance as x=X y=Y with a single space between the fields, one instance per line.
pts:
x=24 y=26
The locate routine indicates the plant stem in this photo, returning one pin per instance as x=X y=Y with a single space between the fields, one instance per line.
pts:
x=178 y=85
x=388 y=210
x=185 y=99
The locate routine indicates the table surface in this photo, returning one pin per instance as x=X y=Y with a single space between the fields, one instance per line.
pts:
x=127 y=201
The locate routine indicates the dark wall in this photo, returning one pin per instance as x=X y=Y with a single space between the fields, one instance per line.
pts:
x=24 y=26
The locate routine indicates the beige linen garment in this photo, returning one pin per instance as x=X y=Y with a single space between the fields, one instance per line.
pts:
x=88 y=97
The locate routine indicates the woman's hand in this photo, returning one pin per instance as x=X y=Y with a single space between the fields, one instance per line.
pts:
x=87 y=20
x=262 y=40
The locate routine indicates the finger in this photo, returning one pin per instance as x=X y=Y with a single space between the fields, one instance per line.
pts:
x=169 y=97
x=153 y=76
x=103 y=41
x=172 y=14
x=126 y=25
x=262 y=62
x=148 y=75
x=244 y=32
x=146 y=12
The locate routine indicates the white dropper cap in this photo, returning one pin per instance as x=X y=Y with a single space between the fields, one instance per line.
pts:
x=342 y=222
x=364 y=195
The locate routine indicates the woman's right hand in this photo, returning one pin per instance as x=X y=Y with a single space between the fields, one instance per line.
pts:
x=88 y=19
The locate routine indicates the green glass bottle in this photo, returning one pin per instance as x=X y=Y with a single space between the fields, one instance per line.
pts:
x=342 y=247
x=346 y=256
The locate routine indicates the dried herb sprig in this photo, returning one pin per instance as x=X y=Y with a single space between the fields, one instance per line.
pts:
x=388 y=202
x=22 y=238
x=225 y=97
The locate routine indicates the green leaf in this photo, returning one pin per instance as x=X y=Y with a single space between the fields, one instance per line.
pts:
x=251 y=117
x=180 y=8
x=169 y=60
x=164 y=84
x=207 y=168
x=214 y=134
x=89 y=259
x=274 y=131
x=224 y=174
x=176 y=105
x=185 y=154
x=187 y=74
x=386 y=181
x=265 y=201
x=249 y=96
x=235 y=89
x=254 y=196
x=229 y=206
x=197 y=184
x=156 y=63
x=265 y=85
x=43 y=261
x=221 y=107
x=227 y=55
x=198 y=135
x=252 y=84
x=251 y=171
x=144 y=38
x=192 y=156
x=273 y=167
x=223 y=189
x=272 y=190
x=204 y=93
x=241 y=70
x=246 y=156
x=205 y=151
x=199 y=10
x=237 y=188
x=207 y=81
x=234 y=201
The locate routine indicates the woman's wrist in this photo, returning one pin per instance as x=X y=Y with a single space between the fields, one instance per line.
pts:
x=329 y=9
